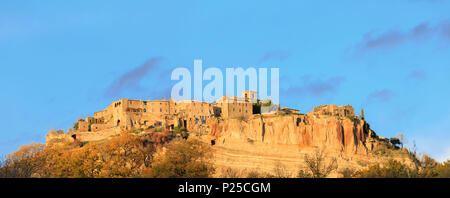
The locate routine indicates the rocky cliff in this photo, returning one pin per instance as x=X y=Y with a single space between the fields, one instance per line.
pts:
x=265 y=141
x=338 y=134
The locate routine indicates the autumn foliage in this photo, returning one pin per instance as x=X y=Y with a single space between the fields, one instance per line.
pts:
x=125 y=156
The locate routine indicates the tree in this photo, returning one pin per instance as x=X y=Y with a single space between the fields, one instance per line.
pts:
x=362 y=113
x=443 y=169
x=395 y=142
x=317 y=166
x=24 y=162
x=428 y=167
x=183 y=159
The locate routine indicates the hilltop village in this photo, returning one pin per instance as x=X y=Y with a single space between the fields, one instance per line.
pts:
x=127 y=114
x=246 y=133
x=131 y=114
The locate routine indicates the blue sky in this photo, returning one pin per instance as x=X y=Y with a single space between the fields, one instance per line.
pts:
x=60 y=60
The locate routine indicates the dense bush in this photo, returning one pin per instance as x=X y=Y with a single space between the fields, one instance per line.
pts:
x=428 y=168
x=391 y=169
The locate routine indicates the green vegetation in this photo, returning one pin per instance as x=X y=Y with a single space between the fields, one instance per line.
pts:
x=395 y=142
x=158 y=129
x=137 y=131
x=179 y=129
x=75 y=125
x=287 y=114
x=257 y=106
x=351 y=117
x=267 y=103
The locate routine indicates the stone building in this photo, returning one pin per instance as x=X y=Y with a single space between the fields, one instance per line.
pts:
x=334 y=110
x=250 y=96
x=234 y=107
x=131 y=114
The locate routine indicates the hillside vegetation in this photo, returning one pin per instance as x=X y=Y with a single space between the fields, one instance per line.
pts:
x=161 y=154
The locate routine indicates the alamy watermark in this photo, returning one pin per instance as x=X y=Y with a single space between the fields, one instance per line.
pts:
x=183 y=89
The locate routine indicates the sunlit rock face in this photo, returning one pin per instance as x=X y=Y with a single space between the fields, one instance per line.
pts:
x=333 y=133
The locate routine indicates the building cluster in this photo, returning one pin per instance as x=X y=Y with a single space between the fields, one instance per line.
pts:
x=334 y=110
x=130 y=114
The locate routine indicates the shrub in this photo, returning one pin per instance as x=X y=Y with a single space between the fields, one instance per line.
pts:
x=183 y=159
x=280 y=170
x=391 y=169
x=254 y=174
x=351 y=117
x=347 y=173
x=137 y=131
x=304 y=174
x=230 y=173
x=443 y=169
x=179 y=129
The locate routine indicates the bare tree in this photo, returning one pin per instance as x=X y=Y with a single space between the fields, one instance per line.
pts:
x=402 y=139
x=317 y=166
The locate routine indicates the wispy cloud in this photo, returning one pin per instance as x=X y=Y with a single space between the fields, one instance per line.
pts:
x=417 y=75
x=315 y=87
x=380 y=96
x=274 y=55
x=394 y=37
x=130 y=80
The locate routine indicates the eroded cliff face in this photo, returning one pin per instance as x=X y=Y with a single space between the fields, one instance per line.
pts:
x=264 y=142
x=333 y=133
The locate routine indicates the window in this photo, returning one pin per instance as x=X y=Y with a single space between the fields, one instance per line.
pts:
x=145 y=110
x=145 y=102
